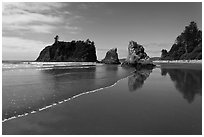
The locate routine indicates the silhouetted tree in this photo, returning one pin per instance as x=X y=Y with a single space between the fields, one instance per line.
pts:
x=56 y=38
x=190 y=37
x=186 y=45
x=92 y=43
x=164 y=53
x=88 y=41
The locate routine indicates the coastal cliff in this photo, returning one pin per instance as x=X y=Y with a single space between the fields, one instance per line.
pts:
x=74 y=51
x=188 y=45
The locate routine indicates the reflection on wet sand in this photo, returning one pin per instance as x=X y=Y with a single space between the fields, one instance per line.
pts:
x=159 y=109
x=188 y=82
x=34 y=89
x=137 y=79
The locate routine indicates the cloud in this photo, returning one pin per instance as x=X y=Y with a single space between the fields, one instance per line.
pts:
x=162 y=45
x=13 y=43
x=24 y=17
x=89 y=5
x=33 y=28
x=19 y=48
x=72 y=29
x=32 y=6
x=37 y=17
x=154 y=49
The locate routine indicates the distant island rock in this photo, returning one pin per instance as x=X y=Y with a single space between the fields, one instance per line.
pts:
x=188 y=45
x=74 y=51
x=137 y=57
x=111 y=57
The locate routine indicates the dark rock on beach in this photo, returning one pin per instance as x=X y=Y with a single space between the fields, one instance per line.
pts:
x=111 y=57
x=74 y=51
x=137 y=57
x=188 y=45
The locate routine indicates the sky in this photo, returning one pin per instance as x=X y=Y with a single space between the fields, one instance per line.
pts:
x=27 y=28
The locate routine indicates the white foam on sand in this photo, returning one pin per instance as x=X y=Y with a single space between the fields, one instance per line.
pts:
x=62 y=63
x=48 y=65
x=63 y=101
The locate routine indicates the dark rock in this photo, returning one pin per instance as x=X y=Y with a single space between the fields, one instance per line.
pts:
x=111 y=57
x=137 y=57
x=164 y=53
x=188 y=45
x=139 y=65
x=74 y=51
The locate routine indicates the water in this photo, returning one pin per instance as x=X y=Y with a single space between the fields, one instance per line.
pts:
x=165 y=100
x=30 y=86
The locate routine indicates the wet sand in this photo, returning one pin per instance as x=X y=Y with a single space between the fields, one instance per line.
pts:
x=143 y=103
x=30 y=90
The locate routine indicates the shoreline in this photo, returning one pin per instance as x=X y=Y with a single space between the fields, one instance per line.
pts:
x=108 y=112
x=65 y=100
x=179 y=61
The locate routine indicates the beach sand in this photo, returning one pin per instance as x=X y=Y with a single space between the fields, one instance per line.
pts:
x=135 y=105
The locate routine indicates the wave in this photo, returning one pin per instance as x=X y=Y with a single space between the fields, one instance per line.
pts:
x=65 y=100
x=46 y=65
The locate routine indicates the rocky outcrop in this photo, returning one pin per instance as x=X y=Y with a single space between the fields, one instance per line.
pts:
x=188 y=45
x=74 y=51
x=111 y=57
x=137 y=57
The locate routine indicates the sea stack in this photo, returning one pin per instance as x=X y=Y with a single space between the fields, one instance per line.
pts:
x=74 y=51
x=111 y=57
x=137 y=57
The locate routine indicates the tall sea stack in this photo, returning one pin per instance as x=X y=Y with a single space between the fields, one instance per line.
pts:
x=137 y=57
x=111 y=57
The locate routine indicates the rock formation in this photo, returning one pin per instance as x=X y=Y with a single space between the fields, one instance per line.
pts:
x=74 y=51
x=137 y=57
x=111 y=57
x=188 y=45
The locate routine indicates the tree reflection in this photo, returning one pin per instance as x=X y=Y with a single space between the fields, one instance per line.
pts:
x=136 y=81
x=188 y=82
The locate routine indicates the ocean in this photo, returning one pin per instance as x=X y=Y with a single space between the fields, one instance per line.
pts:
x=91 y=98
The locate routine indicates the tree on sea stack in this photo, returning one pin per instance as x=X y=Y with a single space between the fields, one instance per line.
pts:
x=164 y=53
x=56 y=38
x=88 y=41
x=74 y=51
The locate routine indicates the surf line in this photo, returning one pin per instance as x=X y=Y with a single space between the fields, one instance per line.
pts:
x=65 y=100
